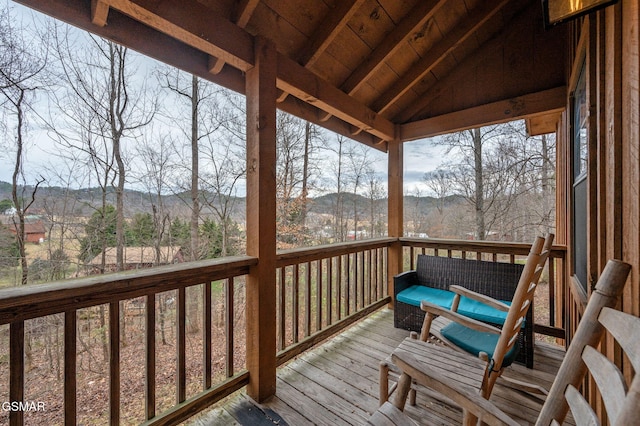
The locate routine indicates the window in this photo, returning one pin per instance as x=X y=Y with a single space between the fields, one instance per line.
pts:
x=580 y=144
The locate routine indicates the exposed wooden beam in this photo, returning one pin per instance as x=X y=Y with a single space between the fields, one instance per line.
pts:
x=398 y=38
x=99 y=12
x=241 y=16
x=481 y=14
x=468 y=63
x=215 y=65
x=329 y=28
x=195 y=25
x=295 y=79
x=542 y=124
x=243 y=12
x=539 y=103
x=299 y=108
x=174 y=52
x=200 y=29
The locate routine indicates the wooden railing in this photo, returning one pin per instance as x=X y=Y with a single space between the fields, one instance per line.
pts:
x=324 y=289
x=320 y=291
x=117 y=294
x=545 y=309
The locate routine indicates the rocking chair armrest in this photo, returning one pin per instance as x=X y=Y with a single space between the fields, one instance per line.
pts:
x=468 y=399
x=482 y=298
x=436 y=310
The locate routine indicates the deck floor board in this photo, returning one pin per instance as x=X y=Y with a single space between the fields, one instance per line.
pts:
x=337 y=384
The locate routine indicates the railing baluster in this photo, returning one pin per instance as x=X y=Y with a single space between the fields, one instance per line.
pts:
x=412 y=257
x=319 y=295
x=150 y=349
x=229 y=289
x=70 y=354
x=348 y=277
x=296 y=307
x=375 y=274
x=114 y=363
x=206 y=334
x=283 y=306
x=339 y=289
x=181 y=346
x=369 y=277
x=361 y=277
x=16 y=371
x=330 y=291
x=552 y=292
x=307 y=300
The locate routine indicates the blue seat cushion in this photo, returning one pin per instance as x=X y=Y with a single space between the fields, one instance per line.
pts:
x=444 y=298
x=474 y=341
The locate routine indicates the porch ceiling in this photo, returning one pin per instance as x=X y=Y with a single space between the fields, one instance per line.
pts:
x=372 y=70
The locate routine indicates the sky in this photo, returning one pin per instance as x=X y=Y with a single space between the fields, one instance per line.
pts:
x=420 y=156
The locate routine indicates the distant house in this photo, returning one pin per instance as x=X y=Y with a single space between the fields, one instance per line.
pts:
x=34 y=231
x=138 y=257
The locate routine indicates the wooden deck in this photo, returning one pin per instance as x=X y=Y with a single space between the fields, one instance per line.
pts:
x=337 y=384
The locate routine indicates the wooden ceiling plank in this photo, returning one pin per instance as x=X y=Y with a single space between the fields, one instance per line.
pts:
x=99 y=12
x=328 y=31
x=413 y=111
x=539 y=103
x=432 y=58
x=293 y=78
x=194 y=25
x=392 y=43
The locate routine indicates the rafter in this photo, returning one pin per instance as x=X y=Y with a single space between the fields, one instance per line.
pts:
x=328 y=30
x=398 y=39
x=544 y=102
x=241 y=16
x=99 y=12
x=433 y=57
x=243 y=12
x=295 y=79
x=194 y=25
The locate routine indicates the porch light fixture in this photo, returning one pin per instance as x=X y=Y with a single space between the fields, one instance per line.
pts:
x=559 y=11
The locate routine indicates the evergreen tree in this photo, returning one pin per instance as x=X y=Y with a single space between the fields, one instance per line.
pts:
x=100 y=233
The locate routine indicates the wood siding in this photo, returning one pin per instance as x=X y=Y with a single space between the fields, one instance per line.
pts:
x=608 y=40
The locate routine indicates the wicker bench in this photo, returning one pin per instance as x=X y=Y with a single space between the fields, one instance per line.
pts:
x=495 y=279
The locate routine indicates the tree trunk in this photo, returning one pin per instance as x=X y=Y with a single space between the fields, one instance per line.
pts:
x=479 y=184
x=17 y=202
x=195 y=203
x=545 y=185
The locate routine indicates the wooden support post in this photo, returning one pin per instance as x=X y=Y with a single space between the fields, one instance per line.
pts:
x=395 y=211
x=261 y=97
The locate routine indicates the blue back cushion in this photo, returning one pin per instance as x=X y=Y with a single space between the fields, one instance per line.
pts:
x=444 y=298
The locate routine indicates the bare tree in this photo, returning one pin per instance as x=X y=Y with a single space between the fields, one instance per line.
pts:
x=22 y=65
x=294 y=176
x=110 y=105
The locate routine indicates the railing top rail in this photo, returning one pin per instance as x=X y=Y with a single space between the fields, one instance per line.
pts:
x=20 y=303
x=498 y=247
x=302 y=255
